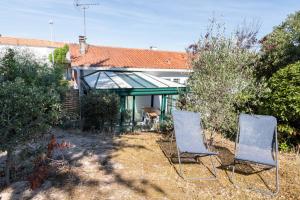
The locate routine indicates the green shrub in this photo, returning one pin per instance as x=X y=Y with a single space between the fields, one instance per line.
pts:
x=69 y=120
x=284 y=97
x=100 y=110
x=59 y=55
x=283 y=101
x=26 y=112
x=22 y=64
x=29 y=100
x=167 y=125
x=283 y=146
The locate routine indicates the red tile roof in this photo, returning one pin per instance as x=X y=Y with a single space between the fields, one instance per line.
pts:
x=110 y=56
x=29 y=42
x=97 y=56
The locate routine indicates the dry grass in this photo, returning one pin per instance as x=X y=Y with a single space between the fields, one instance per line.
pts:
x=135 y=167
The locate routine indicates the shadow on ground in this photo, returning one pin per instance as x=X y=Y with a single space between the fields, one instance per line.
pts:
x=225 y=158
x=69 y=181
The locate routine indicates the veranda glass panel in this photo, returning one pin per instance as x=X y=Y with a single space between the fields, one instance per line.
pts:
x=104 y=82
x=130 y=81
x=91 y=79
x=142 y=81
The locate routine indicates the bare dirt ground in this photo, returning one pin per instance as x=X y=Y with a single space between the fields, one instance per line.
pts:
x=136 y=166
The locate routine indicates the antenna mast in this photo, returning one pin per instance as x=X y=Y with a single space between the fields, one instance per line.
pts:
x=84 y=6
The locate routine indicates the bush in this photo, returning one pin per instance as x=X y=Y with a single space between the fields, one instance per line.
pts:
x=59 y=55
x=283 y=101
x=60 y=67
x=100 y=110
x=279 y=65
x=25 y=113
x=29 y=100
x=21 y=64
x=167 y=125
x=69 y=120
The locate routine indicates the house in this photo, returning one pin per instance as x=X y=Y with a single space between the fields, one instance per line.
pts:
x=144 y=78
x=40 y=48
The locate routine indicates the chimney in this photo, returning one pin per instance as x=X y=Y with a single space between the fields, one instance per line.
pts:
x=82 y=44
x=154 y=48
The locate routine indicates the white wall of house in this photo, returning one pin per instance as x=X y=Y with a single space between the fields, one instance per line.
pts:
x=41 y=53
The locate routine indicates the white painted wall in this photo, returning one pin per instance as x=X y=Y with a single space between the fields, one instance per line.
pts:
x=178 y=77
x=41 y=53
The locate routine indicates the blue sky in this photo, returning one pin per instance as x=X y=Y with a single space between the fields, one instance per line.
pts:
x=166 y=24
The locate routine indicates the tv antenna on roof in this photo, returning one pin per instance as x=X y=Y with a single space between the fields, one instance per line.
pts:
x=84 y=5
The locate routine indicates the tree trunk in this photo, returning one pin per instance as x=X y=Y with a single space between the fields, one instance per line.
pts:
x=7 y=166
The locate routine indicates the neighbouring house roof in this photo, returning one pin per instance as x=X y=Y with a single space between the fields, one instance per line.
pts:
x=101 y=56
x=29 y=42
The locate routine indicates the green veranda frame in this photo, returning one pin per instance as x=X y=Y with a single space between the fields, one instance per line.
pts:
x=129 y=83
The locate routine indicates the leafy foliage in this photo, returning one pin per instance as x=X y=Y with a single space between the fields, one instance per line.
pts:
x=277 y=64
x=281 y=47
x=223 y=78
x=21 y=64
x=167 y=125
x=283 y=99
x=60 y=55
x=60 y=65
x=29 y=100
x=284 y=146
x=25 y=112
x=100 y=110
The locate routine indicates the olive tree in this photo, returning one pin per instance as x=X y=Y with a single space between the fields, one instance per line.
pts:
x=223 y=77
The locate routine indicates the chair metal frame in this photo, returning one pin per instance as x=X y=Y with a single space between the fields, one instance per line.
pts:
x=274 y=151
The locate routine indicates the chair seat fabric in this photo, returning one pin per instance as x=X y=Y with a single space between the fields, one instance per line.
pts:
x=255 y=154
x=188 y=132
x=256 y=139
x=198 y=151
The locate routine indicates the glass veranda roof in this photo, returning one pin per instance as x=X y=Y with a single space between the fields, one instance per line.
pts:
x=127 y=80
